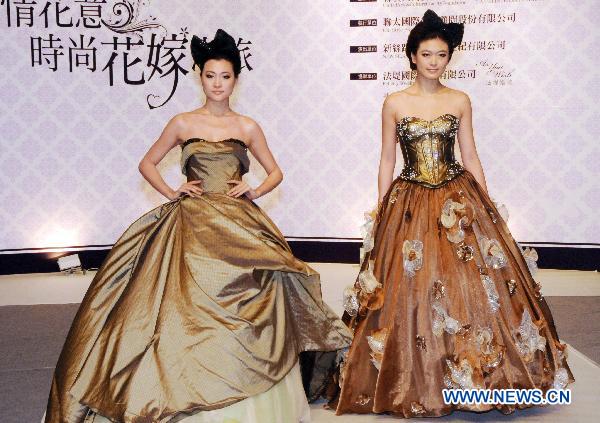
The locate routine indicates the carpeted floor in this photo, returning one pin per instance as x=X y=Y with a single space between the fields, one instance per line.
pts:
x=32 y=336
x=577 y=321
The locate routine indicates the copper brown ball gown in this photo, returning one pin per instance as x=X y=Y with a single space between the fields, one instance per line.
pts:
x=445 y=298
x=199 y=305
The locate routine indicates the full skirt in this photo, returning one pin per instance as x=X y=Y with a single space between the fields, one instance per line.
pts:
x=199 y=305
x=445 y=299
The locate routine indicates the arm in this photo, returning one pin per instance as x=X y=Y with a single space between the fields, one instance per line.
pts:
x=466 y=142
x=388 y=148
x=168 y=139
x=257 y=144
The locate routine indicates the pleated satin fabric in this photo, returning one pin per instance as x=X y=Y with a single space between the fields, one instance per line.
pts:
x=199 y=304
x=452 y=307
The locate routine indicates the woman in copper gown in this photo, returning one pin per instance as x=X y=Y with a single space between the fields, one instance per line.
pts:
x=445 y=297
x=200 y=311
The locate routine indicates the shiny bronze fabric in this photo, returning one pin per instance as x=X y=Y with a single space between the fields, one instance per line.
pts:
x=199 y=304
x=428 y=149
x=453 y=305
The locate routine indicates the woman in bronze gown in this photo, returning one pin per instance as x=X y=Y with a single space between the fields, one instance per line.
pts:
x=200 y=311
x=445 y=298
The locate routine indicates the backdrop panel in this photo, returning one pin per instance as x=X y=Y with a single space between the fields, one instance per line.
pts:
x=88 y=85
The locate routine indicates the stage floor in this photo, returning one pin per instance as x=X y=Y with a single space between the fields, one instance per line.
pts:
x=36 y=311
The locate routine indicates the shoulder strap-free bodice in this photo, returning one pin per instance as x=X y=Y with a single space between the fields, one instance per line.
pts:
x=428 y=149
x=214 y=162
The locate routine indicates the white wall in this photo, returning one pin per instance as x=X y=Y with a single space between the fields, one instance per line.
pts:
x=70 y=143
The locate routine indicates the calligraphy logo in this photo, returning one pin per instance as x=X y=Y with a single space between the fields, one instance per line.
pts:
x=140 y=50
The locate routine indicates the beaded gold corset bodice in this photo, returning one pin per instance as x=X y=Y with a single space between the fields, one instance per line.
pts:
x=214 y=163
x=428 y=150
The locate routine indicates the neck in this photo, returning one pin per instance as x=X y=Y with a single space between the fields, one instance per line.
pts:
x=427 y=86
x=217 y=108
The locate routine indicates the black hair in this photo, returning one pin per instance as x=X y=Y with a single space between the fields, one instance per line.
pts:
x=222 y=47
x=431 y=27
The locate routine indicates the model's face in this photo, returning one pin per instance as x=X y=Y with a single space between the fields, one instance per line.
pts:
x=432 y=58
x=218 y=79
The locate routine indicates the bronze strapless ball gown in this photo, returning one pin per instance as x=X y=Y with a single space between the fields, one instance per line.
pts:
x=199 y=305
x=445 y=297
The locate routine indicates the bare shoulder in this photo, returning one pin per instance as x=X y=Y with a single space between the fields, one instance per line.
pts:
x=247 y=124
x=458 y=97
x=183 y=120
x=179 y=119
x=396 y=97
x=176 y=126
x=249 y=127
x=396 y=104
x=459 y=101
x=393 y=102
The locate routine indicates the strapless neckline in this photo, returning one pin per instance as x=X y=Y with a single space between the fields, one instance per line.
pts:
x=426 y=120
x=198 y=139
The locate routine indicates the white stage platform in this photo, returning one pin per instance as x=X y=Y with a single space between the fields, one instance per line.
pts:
x=56 y=288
